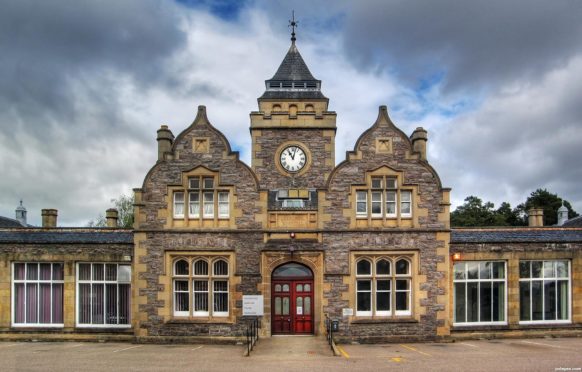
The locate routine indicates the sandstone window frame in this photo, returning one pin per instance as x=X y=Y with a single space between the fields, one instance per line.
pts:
x=208 y=291
x=386 y=198
x=122 y=278
x=28 y=281
x=545 y=279
x=200 y=198
x=382 y=289
x=473 y=273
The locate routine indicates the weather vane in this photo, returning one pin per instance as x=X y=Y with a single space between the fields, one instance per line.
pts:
x=293 y=23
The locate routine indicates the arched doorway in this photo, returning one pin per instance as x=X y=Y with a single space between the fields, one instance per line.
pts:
x=292 y=299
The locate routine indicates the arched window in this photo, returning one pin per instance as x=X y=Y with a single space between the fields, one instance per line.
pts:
x=276 y=108
x=199 y=291
x=383 y=286
x=292 y=110
x=309 y=108
x=181 y=267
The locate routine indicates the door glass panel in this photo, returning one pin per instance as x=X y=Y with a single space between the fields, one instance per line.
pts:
x=286 y=305
x=292 y=269
x=307 y=306
x=299 y=305
x=277 y=287
x=285 y=287
x=299 y=287
x=278 y=305
x=307 y=287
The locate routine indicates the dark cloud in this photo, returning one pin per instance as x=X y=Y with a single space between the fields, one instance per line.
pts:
x=471 y=44
x=66 y=68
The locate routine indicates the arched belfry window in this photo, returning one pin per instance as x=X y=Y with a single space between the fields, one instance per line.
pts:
x=292 y=269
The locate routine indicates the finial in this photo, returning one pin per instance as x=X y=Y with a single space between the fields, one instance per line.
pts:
x=293 y=23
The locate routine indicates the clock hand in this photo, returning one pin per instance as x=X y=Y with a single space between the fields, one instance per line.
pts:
x=290 y=154
x=294 y=152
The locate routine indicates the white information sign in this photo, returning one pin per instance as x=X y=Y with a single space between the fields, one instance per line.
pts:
x=253 y=305
x=299 y=310
x=347 y=312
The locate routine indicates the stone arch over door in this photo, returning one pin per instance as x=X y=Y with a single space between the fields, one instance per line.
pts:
x=312 y=260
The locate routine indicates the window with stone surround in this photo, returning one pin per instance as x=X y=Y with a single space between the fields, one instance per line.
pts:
x=544 y=291
x=383 y=286
x=103 y=295
x=202 y=199
x=37 y=294
x=383 y=198
x=200 y=286
x=479 y=295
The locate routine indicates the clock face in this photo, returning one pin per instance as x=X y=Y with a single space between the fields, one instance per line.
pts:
x=293 y=158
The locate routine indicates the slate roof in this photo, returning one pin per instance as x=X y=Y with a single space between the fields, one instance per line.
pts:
x=293 y=67
x=573 y=222
x=518 y=235
x=66 y=236
x=9 y=222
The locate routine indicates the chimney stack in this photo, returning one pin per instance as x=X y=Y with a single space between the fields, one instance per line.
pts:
x=165 y=140
x=21 y=214
x=536 y=217
x=111 y=215
x=49 y=217
x=419 y=138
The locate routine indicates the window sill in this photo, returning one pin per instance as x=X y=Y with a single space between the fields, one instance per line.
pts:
x=480 y=327
x=201 y=320
x=377 y=320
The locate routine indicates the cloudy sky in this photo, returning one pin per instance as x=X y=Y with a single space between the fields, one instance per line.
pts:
x=84 y=85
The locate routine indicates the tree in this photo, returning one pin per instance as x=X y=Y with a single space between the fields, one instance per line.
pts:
x=473 y=213
x=550 y=203
x=124 y=206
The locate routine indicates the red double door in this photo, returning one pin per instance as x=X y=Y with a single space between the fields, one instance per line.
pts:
x=292 y=306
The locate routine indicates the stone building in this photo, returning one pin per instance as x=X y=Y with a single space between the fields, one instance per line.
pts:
x=366 y=242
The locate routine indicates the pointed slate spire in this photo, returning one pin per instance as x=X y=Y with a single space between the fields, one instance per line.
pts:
x=293 y=80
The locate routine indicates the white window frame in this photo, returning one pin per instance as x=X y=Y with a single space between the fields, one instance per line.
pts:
x=479 y=280
x=403 y=202
x=388 y=186
x=209 y=203
x=38 y=282
x=359 y=201
x=379 y=201
x=543 y=279
x=407 y=277
x=180 y=278
x=176 y=203
x=104 y=282
x=373 y=277
x=222 y=203
x=192 y=204
x=210 y=277
x=392 y=202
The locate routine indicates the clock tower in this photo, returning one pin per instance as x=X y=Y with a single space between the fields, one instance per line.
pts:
x=293 y=134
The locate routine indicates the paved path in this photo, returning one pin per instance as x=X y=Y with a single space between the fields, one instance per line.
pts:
x=296 y=354
x=293 y=347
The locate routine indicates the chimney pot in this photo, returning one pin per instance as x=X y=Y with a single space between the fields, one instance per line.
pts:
x=419 y=138
x=111 y=215
x=165 y=141
x=49 y=217
x=536 y=217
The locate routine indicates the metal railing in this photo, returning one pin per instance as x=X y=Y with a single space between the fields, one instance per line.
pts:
x=329 y=332
x=252 y=335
